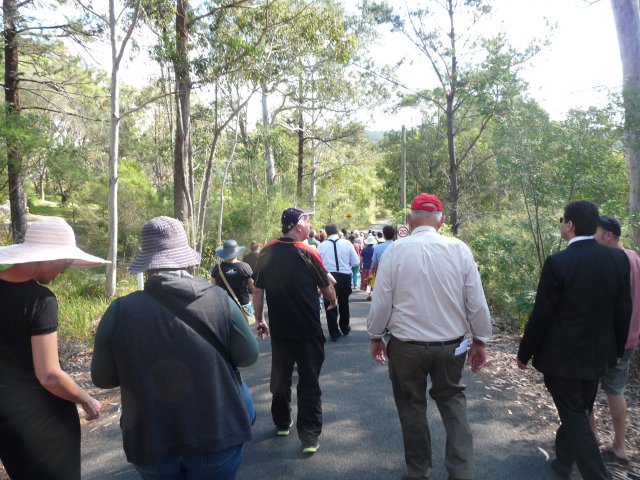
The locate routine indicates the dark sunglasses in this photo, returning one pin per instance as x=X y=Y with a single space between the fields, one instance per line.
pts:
x=564 y=220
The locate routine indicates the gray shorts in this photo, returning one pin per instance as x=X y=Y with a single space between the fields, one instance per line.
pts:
x=616 y=378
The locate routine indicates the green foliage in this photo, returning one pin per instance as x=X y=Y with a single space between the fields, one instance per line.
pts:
x=49 y=208
x=81 y=302
x=138 y=202
x=517 y=168
x=508 y=265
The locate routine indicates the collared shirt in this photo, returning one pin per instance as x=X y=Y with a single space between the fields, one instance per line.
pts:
x=579 y=239
x=634 y=328
x=428 y=289
x=379 y=249
x=291 y=272
x=347 y=256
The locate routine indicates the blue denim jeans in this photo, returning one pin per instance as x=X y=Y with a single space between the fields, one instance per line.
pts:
x=221 y=465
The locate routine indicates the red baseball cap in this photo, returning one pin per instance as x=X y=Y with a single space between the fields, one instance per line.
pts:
x=427 y=202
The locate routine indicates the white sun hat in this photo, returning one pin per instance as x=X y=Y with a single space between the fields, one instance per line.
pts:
x=48 y=238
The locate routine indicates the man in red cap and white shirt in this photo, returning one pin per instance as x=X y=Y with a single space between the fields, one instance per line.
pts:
x=429 y=295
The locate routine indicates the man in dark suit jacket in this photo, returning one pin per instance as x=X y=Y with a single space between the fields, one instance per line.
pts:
x=578 y=328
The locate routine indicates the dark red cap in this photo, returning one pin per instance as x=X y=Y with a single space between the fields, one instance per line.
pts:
x=427 y=202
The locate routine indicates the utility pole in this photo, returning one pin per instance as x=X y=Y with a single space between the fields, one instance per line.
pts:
x=403 y=170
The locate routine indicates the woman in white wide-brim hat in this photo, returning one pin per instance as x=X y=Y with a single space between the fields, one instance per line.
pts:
x=39 y=424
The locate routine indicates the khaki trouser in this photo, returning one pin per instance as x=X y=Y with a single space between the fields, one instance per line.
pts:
x=409 y=367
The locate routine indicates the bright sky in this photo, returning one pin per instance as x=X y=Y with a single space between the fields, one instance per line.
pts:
x=582 y=58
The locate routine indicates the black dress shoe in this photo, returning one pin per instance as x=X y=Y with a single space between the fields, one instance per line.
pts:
x=346 y=331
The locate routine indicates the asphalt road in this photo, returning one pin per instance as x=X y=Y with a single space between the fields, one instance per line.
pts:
x=361 y=436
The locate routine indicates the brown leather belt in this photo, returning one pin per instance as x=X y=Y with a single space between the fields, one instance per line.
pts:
x=435 y=344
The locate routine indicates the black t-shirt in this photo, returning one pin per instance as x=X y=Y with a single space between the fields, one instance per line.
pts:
x=28 y=309
x=237 y=274
x=290 y=272
x=251 y=259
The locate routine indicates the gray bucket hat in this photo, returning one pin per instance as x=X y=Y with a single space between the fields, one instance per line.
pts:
x=229 y=249
x=164 y=245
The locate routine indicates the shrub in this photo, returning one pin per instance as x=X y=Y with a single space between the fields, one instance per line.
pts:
x=505 y=254
x=81 y=302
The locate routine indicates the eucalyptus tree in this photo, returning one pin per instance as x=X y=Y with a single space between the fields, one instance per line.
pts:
x=118 y=43
x=310 y=74
x=591 y=159
x=476 y=75
x=300 y=31
x=627 y=19
x=428 y=167
x=195 y=23
x=27 y=38
x=528 y=157
x=348 y=181
x=545 y=164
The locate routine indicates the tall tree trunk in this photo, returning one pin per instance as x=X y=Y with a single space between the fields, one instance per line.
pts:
x=300 y=155
x=454 y=192
x=204 y=190
x=41 y=179
x=313 y=188
x=453 y=169
x=300 y=141
x=627 y=18
x=17 y=199
x=268 y=151
x=114 y=143
x=224 y=182
x=182 y=196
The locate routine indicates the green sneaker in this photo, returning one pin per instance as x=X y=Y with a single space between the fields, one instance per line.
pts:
x=283 y=431
x=310 y=447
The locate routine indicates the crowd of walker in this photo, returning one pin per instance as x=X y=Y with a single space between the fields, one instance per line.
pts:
x=173 y=348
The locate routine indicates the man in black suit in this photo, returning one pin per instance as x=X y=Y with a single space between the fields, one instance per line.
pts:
x=578 y=327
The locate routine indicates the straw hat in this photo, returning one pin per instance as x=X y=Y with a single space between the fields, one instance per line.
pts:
x=164 y=246
x=47 y=239
x=229 y=249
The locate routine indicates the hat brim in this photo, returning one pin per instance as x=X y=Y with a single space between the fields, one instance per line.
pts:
x=23 y=253
x=170 y=259
x=229 y=254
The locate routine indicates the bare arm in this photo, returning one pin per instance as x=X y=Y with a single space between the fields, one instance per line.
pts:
x=250 y=284
x=47 y=367
x=378 y=350
x=477 y=356
x=329 y=294
x=258 y=305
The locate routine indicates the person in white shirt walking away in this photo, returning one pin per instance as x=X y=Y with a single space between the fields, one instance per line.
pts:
x=429 y=295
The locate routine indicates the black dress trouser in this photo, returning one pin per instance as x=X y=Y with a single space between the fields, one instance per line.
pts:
x=308 y=355
x=343 y=291
x=575 y=441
